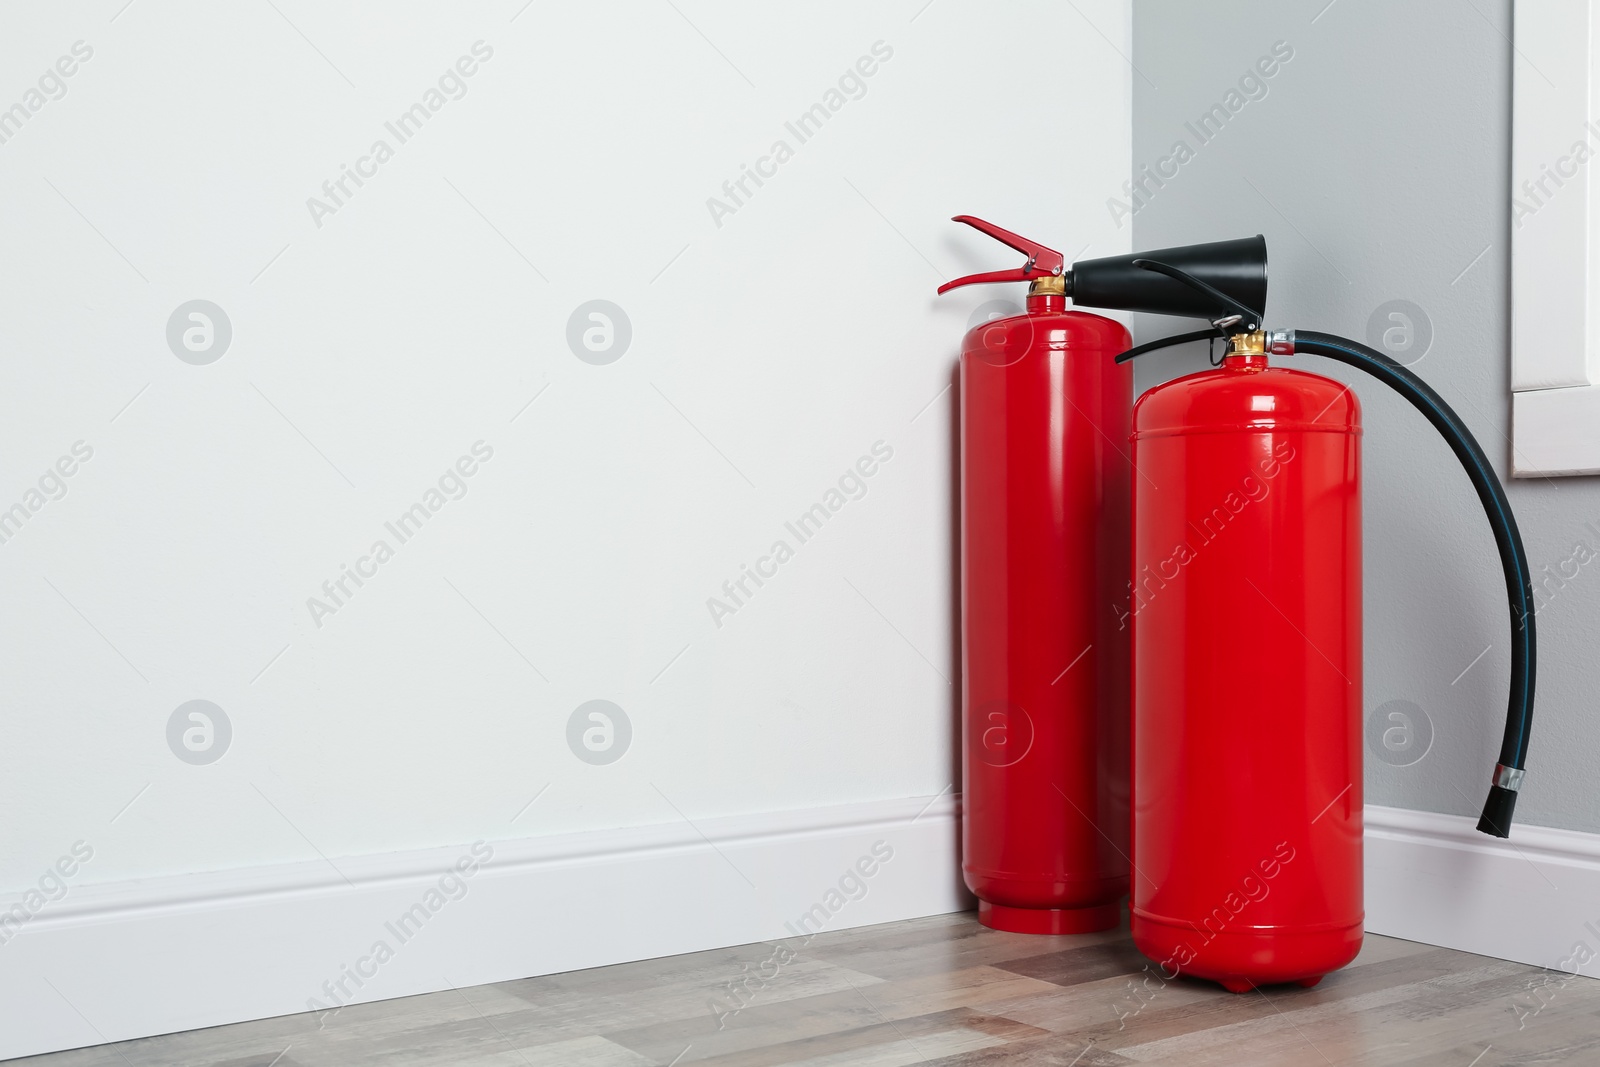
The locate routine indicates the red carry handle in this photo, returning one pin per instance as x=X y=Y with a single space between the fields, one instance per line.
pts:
x=1042 y=262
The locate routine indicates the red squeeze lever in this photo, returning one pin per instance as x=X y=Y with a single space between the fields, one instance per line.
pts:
x=1042 y=262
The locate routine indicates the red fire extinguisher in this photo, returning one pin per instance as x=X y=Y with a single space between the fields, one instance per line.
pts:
x=1044 y=543
x=1246 y=608
x=1246 y=604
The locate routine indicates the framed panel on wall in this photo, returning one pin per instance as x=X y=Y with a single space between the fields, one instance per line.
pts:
x=1555 y=238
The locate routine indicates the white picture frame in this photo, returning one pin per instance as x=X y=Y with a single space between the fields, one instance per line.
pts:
x=1555 y=239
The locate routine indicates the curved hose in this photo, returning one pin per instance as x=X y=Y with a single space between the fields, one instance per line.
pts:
x=1497 y=810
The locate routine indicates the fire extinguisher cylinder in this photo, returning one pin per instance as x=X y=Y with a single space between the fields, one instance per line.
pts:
x=1272 y=574
x=1044 y=543
x=1246 y=612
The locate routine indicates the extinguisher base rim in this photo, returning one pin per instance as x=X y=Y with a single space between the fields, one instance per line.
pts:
x=1259 y=955
x=1050 y=920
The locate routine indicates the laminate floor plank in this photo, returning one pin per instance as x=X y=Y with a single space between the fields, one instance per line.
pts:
x=681 y=995
x=922 y=1037
x=765 y=1022
x=910 y=952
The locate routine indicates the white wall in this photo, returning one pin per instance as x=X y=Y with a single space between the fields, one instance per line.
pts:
x=374 y=345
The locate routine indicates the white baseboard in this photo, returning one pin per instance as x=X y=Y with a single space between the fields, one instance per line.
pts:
x=1533 y=898
x=111 y=962
x=128 y=960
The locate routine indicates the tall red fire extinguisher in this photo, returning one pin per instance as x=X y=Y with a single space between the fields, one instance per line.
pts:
x=1044 y=557
x=1246 y=607
x=1044 y=537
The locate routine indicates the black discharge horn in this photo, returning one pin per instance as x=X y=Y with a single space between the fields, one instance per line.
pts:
x=1237 y=268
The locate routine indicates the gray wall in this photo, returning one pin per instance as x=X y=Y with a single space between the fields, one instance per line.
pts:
x=1377 y=165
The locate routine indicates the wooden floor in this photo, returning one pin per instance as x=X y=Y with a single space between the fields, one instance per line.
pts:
x=941 y=991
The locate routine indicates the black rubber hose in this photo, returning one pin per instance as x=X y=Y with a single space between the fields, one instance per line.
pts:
x=1497 y=810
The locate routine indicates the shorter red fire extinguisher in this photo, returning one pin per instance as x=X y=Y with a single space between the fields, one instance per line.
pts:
x=1245 y=603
